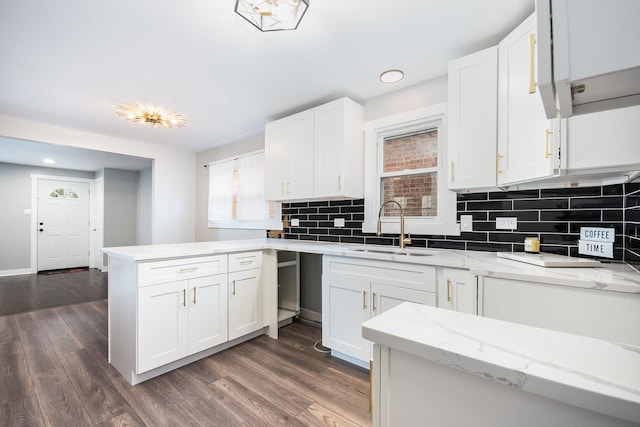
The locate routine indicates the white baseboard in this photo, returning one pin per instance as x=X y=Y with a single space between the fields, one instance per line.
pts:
x=16 y=272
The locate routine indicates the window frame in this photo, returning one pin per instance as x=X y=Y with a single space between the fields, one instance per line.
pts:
x=375 y=132
x=274 y=223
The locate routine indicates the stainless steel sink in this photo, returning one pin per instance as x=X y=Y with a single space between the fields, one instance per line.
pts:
x=403 y=252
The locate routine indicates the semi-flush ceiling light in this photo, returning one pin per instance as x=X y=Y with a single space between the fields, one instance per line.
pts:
x=152 y=114
x=391 y=76
x=272 y=15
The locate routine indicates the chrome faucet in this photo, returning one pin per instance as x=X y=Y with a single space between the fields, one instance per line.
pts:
x=403 y=240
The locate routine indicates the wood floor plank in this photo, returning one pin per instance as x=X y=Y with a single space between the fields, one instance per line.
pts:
x=58 y=399
x=15 y=381
x=257 y=410
x=8 y=329
x=60 y=336
x=22 y=413
x=317 y=415
x=99 y=397
x=122 y=420
x=252 y=375
x=39 y=353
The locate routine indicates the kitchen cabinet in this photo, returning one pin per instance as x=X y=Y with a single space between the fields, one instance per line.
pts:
x=355 y=290
x=317 y=153
x=529 y=144
x=591 y=58
x=612 y=316
x=245 y=293
x=457 y=290
x=180 y=318
x=472 y=120
x=289 y=157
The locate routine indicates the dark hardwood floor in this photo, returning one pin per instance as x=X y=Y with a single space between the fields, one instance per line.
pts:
x=36 y=291
x=54 y=372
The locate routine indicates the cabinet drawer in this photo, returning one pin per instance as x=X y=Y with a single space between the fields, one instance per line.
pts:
x=405 y=275
x=150 y=273
x=245 y=261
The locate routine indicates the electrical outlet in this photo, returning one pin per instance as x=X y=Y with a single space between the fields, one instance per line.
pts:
x=466 y=222
x=506 y=223
x=295 y=222
x=338 y=222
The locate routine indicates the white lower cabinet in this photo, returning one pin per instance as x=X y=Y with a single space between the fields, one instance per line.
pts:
x=354 y=290
x=612 y=316
x=180 y=318
x=457 y=290
x=245 y=293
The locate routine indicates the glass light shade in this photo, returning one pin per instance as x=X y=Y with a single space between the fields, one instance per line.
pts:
x=272 y=15
x=391 y=76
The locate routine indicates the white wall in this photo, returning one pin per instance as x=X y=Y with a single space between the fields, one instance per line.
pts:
x=406 y=99
x=173 y=182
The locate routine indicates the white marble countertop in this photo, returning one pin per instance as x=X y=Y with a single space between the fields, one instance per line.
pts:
x=613 y=277
x=585 y=372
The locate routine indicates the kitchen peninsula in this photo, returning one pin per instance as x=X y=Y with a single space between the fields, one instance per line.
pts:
x=156 y=293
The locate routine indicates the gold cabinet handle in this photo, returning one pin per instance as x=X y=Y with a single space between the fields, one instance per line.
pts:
x=498 y=164
x=184 y=297
x=448 y=290
x=452 y=171
x=532 y=58
x=233 y=287
x=282 y=188
x=547 y=152
x=188 y=269
x=287 y=187
x=374 y=301
x=194 y=295
x=339 y=182
x=364 y=300
x=247 y=262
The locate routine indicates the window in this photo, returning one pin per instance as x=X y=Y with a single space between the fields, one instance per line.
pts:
x=405 y=160
x=236 y=195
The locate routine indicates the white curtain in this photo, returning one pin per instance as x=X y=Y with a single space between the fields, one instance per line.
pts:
x=221 y=191
x=251 y=201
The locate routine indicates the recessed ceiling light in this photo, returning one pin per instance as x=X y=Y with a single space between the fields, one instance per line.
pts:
x=49 y=161
x=391 y=76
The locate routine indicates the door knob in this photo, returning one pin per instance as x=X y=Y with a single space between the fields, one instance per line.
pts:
x=42 y=229
x=42 y=223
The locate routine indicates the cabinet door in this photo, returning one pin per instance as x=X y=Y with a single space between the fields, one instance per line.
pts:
x=289 y=157
x=162 y=324
x=385 y=297
x=472 y=121
x=612 y=316
x=345 y=306
x=528 y=142
x=458 y=290
x=245 y=302
x=207 y=312
x=329 y=140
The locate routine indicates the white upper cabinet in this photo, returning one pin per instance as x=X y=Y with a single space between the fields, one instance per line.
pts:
x=528 y=143
x=472 y=121
x=289 y=157
x=591 y=55
x=338 y=150
x=317 y=153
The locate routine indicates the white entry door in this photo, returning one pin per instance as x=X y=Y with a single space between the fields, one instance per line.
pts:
x=63 y=224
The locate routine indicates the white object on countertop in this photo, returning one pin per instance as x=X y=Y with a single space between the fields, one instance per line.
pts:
x=549 y=260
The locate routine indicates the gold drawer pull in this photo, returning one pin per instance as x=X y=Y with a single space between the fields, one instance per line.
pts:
x=188 y=269
x=184 y=297
x=448 y=290
x=233 y=287
x=194 y=295
x=498 y=164
x=374 y=301
x=247 y=262
x=364 y=300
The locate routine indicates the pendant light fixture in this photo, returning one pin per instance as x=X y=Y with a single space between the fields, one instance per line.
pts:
x=272 y=15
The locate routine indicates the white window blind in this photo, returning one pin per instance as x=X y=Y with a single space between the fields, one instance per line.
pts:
x=236 y=195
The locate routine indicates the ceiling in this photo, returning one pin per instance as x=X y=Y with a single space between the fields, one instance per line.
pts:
x=68 y=63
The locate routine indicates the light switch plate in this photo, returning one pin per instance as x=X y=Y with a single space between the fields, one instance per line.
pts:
x=506 y=223
x=338 y=222
x=295 y=222
x=466 y=222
